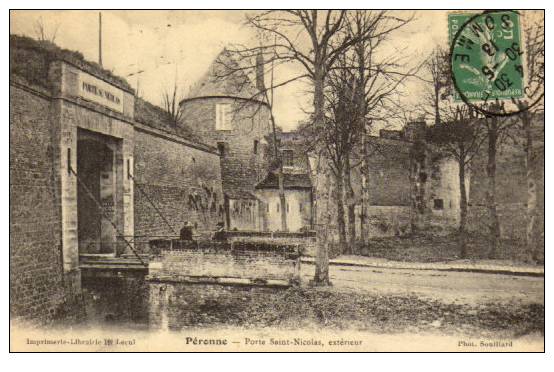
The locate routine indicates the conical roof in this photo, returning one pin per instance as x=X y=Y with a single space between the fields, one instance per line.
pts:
x=225 y=78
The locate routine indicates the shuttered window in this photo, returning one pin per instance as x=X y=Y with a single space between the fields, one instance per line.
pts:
x=223 y=116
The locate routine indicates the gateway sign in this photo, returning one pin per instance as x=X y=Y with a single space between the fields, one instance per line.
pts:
x=98 y=91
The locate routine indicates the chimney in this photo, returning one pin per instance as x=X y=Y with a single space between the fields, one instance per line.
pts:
x=260 y=84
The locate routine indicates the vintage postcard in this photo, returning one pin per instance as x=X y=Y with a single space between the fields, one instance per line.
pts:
x=277 y=180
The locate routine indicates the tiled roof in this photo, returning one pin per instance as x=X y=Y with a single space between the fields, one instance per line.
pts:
x=291 y=181
x=240 y=195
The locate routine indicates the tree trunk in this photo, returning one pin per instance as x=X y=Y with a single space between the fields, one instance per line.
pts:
x=463 y=208
x=351 y=208
x=339 y=198
x=322 y=256
x=321 y=277
x=436 y=106
x=364 y=228
x=280 y=175
x=530 y=242
x=493 y=223
x=282 y=199
x=417 y=180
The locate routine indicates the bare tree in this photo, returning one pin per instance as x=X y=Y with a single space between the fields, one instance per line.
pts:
x=459 y=136
x=535 y=78
x=360 y=88
x=457 y=131
x=379 y=77
x=497 y=131
x=42 y=33
x=307 y=37
x=440 y=83
x=339 y=135
x=314 y=40
x=170 y=99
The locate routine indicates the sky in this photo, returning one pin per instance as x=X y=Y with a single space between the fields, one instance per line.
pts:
x=168 y=45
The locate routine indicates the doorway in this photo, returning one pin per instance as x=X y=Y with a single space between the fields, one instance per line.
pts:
x=97 y=193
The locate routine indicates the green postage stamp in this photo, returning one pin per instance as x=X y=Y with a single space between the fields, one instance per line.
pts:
x=486 y=56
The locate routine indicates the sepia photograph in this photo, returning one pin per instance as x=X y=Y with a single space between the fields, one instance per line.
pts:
x=277 y=180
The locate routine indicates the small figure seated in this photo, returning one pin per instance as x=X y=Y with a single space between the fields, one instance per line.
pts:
x=186 y=232
x=219 y=234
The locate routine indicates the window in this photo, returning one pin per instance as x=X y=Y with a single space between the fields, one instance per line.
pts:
x=300 y=207
x=288 y=158
x=221 y=148
x=438 y=204
x=278 y=204
x=287 y=207
x=255 y=146
x=223 y=116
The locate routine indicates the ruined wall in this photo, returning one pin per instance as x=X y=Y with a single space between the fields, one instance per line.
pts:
x=511 y=187
x=443 y=190
x=390 y=190
x=183 y=182
x=389 y=182
x=241 y=168
x=36 y=275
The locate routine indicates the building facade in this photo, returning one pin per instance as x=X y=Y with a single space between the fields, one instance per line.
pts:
x=226 y=110
x=297 y=184
x=91 y=169
x=390 y=183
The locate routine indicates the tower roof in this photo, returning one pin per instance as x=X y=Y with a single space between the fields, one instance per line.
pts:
x=225 y=78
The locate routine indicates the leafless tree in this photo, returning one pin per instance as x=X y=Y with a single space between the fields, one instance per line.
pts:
x=535 y=82
x=439 y=85
x=42 y=33
x=457 y=131
x=497 y=129
x=314 y=40
x=360 y=89
x=171 y=97
x=339 y=135
x=379 y=77
x=459 y=136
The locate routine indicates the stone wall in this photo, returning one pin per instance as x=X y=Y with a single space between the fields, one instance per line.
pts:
x=183 y=183
x=36 y=275
x=306 y=242
x=241 y=166
x=388 y=221
x=298 y=204
x=511 y=187
x=178 y=306
x=212 y=261
x=244 y=214
x=73 y=113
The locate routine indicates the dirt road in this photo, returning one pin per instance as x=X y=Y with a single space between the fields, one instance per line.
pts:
x=459 y=287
